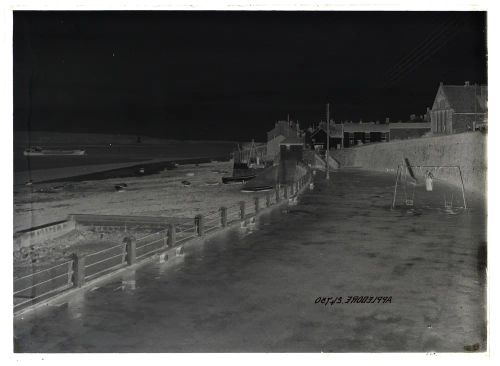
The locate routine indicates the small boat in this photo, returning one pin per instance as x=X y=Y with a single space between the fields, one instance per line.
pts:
x=120 y=187
x=237 y=179
x=38 y=151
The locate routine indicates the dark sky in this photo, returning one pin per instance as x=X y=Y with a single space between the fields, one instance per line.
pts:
x=231 y=75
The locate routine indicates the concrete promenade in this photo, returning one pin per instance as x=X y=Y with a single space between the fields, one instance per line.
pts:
x=260 y=289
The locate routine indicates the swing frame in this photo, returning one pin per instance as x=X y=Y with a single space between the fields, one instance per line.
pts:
x=400 y=172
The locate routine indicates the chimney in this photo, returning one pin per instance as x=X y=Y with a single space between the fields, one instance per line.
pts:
x=467 y=83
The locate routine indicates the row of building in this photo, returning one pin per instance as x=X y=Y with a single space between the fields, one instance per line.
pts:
x=456 y=109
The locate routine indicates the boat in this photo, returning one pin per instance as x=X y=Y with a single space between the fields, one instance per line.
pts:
x=38 y=151
x=243 y=168
x=237 y=179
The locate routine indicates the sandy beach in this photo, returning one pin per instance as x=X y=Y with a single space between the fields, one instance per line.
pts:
x=161 y=194
x=165 y=194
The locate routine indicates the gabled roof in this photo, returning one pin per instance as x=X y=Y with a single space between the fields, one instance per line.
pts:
x=282 y=128
x=335 y=129
x=466 y=98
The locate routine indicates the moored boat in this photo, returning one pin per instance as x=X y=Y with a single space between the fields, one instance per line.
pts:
x=38 y=151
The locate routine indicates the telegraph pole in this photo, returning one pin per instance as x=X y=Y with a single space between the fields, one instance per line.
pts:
x=327 y=141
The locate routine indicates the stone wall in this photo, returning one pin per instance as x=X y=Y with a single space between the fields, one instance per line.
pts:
x=43 y=233
x=467 y=150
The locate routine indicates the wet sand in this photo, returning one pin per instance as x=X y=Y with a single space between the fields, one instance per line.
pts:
x=256 y=290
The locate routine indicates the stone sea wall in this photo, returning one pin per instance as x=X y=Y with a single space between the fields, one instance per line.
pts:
x=467 y=150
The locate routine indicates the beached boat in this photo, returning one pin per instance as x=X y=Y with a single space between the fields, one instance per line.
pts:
x=38 y=151
x=243 y=169
x=238 y=179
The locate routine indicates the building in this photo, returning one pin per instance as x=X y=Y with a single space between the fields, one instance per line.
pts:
x=291 y=153
x=364 y=133
x=344 y=135
x=281 y=130
x=459 y=108
x=408 y=130
x=317 y=138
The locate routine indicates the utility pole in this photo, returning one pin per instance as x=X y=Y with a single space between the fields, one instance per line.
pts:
x=327 y=141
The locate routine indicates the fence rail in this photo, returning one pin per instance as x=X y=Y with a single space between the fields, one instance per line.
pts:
x=39 y=285
x=43 y=284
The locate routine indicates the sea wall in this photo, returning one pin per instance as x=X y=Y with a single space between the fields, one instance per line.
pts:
x=467 y=150
x=37 y=235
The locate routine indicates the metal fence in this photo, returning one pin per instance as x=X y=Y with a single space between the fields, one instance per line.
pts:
x=150 y=244
x=43 y=284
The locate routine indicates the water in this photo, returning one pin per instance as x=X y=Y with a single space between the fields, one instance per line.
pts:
x=170 y=154
x=122 y=153
x=255 y=289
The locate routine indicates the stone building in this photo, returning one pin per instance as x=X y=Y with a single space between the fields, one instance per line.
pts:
x=281 y=130
x=459 y=108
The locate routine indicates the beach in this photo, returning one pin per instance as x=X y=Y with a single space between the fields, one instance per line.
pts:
x=158 y=178
x=165 y=194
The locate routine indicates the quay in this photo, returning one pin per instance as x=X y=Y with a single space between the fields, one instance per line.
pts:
x=254 y=289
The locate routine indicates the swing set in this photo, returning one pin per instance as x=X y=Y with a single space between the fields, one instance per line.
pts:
x=412 y=178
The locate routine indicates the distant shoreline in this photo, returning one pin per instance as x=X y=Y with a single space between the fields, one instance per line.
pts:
x=104 y=138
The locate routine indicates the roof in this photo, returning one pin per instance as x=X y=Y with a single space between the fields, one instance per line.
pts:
x=292 y=141
x=366 y=127
x=336 y=129
x=282 y=128
x=410 y=125
x=466 y=98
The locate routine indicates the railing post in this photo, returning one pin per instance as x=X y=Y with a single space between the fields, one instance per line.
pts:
x=277 y=192
x=242 y=210
x=78 y=269
x=268 y=199
x=256 y=203
x=130 y=244
x=223 y=216
x=198 y=220
x=171 y=235
x=164 y=235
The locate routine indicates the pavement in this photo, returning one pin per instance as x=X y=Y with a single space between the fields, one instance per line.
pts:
x=288 y=284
